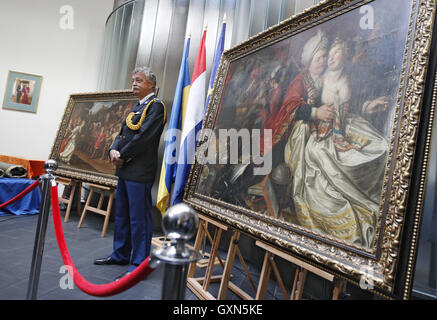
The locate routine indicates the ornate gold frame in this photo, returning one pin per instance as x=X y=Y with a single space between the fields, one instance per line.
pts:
x=403 y=188
x=75 y=172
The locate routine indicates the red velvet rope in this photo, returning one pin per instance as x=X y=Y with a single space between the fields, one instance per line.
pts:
x=102 y=290
x=20 y=195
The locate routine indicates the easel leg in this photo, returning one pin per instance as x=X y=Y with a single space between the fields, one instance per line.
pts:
x=211 y=242
x=264 y=277
x=339 y=288
x=90 y=195
x=278 y=276
x=72 y=187
x=197 y=244
x=298 y=283
x=303 y=277
x=213 y=254
x=240 y=257
x=79 y=194
x=105 y=224
x=228 y=266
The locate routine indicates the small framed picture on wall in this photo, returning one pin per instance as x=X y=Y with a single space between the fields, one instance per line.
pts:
x=22 y=91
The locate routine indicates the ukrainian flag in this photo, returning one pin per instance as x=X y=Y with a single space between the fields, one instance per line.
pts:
x=191 y=124
x=172 y=140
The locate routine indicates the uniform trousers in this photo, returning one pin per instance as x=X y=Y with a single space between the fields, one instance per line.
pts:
x=133 y=226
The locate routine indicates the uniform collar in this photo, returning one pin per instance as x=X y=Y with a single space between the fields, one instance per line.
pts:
x=142 y=101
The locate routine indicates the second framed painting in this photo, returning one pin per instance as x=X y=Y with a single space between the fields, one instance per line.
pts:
x=315 y=138
x=90 y=124
x=22 y=91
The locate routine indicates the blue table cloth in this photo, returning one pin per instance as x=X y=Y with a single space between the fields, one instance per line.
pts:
x=29 y=204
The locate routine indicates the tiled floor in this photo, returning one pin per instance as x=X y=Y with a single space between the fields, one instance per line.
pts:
x=17 y=236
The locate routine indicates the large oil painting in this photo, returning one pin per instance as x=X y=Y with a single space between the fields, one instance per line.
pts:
x=89 y=126
x=329 y=102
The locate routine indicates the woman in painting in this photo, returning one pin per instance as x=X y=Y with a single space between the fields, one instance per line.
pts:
x=301 y=104
x=26 y=91
x=67 y=136
x=333 y=192
x=65 y=156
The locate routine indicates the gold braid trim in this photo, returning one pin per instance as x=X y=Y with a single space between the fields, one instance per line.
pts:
x=165 y=113
x=143 y=116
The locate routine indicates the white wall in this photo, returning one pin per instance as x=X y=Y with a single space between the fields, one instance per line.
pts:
x=32 y=41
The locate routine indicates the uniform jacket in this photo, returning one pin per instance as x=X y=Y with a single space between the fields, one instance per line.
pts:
x=139 y=148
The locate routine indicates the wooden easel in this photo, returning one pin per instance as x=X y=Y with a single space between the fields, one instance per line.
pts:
x=74 y=185
x=200 y=286
x=299 y=278
x=98 y=209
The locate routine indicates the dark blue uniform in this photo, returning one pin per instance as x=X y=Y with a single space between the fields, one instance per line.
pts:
x=133 y=216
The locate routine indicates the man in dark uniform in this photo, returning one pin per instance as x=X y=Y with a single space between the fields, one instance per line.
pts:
x=18 y=91
x=135 y=155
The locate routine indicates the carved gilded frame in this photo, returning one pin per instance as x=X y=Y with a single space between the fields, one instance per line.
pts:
x=392 y=263
x=85 y=164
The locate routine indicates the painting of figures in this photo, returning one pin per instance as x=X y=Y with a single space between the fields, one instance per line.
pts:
x=310 y=133
x=22 y=91
x=90 y=124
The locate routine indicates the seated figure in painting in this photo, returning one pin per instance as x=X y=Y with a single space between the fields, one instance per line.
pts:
x=300 y=107
x=330 y=161
x=302 y=98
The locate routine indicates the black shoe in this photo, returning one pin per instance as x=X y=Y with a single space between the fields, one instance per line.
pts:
x=122 y=275
x=109 y=260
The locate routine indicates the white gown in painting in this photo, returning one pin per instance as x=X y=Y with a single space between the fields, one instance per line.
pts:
x=66 y=155
x=338 y=169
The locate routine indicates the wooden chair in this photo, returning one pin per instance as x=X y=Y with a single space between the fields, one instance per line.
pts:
x=98 y=209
